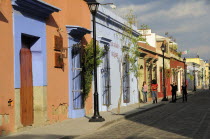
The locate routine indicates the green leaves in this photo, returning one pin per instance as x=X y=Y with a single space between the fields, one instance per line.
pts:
x=131 y=43
x=88 y=66
x=144 y=26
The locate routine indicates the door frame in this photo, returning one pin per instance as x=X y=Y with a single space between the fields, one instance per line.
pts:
x=73 y=113
x=75 y=35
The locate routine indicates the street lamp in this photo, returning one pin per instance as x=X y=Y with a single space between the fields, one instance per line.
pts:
x=194 y=76
x=185 y=71
x=202 y=78
x=163 y=47
x=93 y=6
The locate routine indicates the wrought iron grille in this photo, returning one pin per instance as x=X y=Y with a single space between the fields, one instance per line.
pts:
x=105 y=72
x=126 y=80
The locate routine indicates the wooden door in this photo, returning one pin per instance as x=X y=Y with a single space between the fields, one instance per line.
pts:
x=26 y=90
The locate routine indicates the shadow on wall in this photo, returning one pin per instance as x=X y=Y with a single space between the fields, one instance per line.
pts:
x=51 y=22
x=3 y=18
x=25 y=136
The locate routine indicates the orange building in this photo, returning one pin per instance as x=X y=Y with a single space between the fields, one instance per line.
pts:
x=38 y=65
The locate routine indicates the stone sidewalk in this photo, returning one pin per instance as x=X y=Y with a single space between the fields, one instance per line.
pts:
x=80 y=126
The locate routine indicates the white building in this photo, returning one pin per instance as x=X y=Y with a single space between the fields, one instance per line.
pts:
x=114 y=67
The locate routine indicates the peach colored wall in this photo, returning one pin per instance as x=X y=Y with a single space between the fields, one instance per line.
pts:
x=74 y=12
x=6 y=66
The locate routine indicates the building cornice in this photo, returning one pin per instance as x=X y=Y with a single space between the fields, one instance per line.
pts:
x=114 y=22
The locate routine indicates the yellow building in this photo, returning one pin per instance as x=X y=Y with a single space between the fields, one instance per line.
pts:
x=202 y=82
x=207 y=75
x=195 y=60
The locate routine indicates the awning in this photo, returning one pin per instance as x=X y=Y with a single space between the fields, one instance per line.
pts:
x=104 y=40
x=36 y=8
x=77 y=32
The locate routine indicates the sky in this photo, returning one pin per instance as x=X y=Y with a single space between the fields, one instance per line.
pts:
x=187 y=21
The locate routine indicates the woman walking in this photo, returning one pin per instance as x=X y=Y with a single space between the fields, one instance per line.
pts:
x=144 y=91
x=154 y=87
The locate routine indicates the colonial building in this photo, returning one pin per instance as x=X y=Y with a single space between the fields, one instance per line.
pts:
x=148 y=65
x=200 y=69
x=116 y=84
x=193 y=75
x=173 y=63
x=207 y=75
x=40 y=82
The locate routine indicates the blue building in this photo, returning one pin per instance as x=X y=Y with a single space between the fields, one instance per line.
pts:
x=114 y=73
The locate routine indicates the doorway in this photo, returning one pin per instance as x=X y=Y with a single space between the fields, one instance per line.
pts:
x=77 y=77
x=26 y=80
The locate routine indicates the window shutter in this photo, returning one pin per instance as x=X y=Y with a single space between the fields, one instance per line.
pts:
x=58 y=43
x=58 y=60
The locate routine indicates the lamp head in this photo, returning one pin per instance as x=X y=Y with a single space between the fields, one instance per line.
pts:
x=184 y=59
x=93 y=6
x=163 y=47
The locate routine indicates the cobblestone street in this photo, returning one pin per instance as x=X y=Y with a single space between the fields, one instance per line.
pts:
x=173 y=120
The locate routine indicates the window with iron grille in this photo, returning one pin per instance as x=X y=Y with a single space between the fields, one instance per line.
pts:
x=105 y=72
x=126 y=80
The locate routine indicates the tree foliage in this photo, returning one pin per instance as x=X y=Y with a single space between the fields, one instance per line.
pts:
x=144 y=26
x=88 y=66
x=129 y=40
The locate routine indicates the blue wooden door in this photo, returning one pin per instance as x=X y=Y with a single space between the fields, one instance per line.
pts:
x=76 y=78
x=76 y=103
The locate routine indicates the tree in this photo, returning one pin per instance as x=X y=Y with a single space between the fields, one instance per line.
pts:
x=88 y=66
x=131 y=48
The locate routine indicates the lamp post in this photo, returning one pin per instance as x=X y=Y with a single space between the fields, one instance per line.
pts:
x=93 y=6
x=202 y=79
x=194 y=76
x=185 y=71
x=163 y=47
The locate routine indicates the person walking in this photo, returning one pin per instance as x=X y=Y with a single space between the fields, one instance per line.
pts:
x=144 y=91
x=154 y=88
x=174 y=89
x=184 y=92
